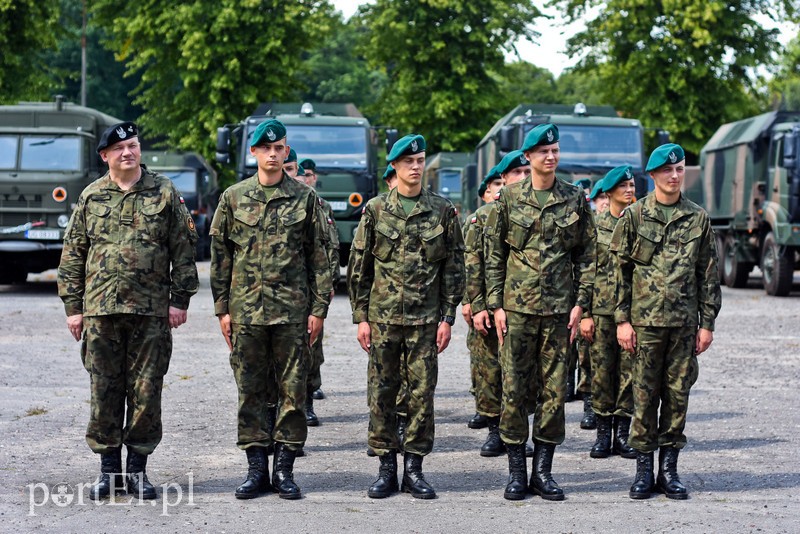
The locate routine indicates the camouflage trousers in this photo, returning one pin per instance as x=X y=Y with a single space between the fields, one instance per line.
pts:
x=487 y=377
x=316 y=359
x=396 y=351
x=611 y=366
x=269 y=362
x=534 y=357
x=127 y=357
x=664 y=370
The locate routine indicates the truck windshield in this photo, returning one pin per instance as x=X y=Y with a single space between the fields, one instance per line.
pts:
x=43 y=153
x=600 y=146
x=8 y=151
x=449 y=181
x=338 y=147
x=183 y=180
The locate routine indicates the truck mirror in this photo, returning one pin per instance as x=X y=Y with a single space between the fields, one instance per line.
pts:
x=391 y=138
x=223 y=145
x=790 y=149
x=662 y=137
x=506 y=141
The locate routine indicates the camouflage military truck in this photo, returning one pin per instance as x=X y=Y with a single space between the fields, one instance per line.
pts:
x=593 y=140
x=445 y=175
x=47 y=157
x=749 y=182
x=336 y=136
x=197 y=181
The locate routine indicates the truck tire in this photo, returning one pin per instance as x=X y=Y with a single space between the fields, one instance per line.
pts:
x=777 y=267
x=734 y=272
x=13 y=275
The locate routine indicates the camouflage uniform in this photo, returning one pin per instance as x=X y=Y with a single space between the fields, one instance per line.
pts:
x=128 y=256
x=539 y=264
x=611 y=382
x=269 y=270
x=405 y=273
x=668 y=286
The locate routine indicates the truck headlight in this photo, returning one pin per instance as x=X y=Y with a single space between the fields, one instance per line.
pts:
x=63 y=220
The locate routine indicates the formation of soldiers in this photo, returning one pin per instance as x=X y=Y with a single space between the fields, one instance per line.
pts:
x=539 y=269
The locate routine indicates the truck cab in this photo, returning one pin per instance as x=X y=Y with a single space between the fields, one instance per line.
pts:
x=444 y=175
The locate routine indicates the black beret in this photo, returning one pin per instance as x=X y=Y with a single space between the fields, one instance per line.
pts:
x=115 y=134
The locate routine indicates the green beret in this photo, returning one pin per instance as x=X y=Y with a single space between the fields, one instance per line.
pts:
x=308 y=163
x=389 y=172
x=291 y=157
x=491 y=177
x=301 y=171
x=597 y=189
x=583 y=183
x=114 y=134
x=664 y=155
x=543 y=134
x=405 y=146
x=268 y=132
x=511 y=161
x=615 y=176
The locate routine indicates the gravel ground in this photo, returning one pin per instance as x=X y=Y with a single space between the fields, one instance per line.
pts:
x=740 y=464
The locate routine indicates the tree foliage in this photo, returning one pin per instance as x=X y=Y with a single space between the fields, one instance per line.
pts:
x=439 y=56
x=683 y=65
x=205 y=63
x=522 y=82
x=785 y=86
x=27 y=29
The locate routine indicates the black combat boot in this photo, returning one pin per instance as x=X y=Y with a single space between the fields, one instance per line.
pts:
x=413 y=480
x=401 y=431
x=668 y=482
x=110 y=478
x=494 y=446
x=272 y=417
x=311 y=417
x=517 y=485
x=318 y=394
x=478 y=421
x=137 y=483
x=589 y=421
x=643 y=484
x=371 y=453
x=602 y=447
x=282 y=473
x=387 y=478
x=542 y=483
x=622 y=427
x=257 y=474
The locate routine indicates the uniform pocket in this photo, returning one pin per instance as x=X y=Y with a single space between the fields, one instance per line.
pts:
x=689 y=243
x=245 y=226
x=647 y=241
x=98 y=222
x=386 y=238
x=154 y=222
x=519 y=229
x=568 y=229
x=433 y=244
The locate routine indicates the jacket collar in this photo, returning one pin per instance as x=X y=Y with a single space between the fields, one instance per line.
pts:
x=285 y=188
x=394 y=207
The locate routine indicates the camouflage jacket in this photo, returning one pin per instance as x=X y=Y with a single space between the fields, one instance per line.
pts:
x=332 y=239
x=475 y=286
x=128 y=252
x=667 y=270
x=406 y=270
x=269 y=263
x=604 y=296
x=539 y=259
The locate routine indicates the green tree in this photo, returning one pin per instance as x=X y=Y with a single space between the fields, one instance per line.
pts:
x=685 y=65
x=27 y=27
x=785 y=86
x=205 y=63
x=524 y=83
x=439 y=56
x=580 y=86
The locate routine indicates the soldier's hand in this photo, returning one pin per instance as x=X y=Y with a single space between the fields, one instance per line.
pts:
x=481 y=322
x=364 y=335
x=225 y=326
x=574 y=322
x=314 y=328
x=466 y=312
x=500 y=323
x=587 y=329
x=442 y=337
x=703 y=340
x=176 y=317
x=75 y=325
x=626 y=337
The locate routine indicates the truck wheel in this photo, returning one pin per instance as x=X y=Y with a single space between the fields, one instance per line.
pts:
x=734 y=272
x=777 y=268
x=13 y=275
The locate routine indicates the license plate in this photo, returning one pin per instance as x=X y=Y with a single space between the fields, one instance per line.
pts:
x=43 y=234
x=338 y=206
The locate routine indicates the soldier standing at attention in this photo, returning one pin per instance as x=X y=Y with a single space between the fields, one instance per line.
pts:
x=127 y=273
x=271 y=283
x=667 y=302
x=405 y=278
x=539 y=275
x=611 y=396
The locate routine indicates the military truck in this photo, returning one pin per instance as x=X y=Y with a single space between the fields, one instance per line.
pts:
x=197 y=181
x=47 y=157
x=444 y=174
x=336 y=136
x=749 y=182
x=593 y=140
